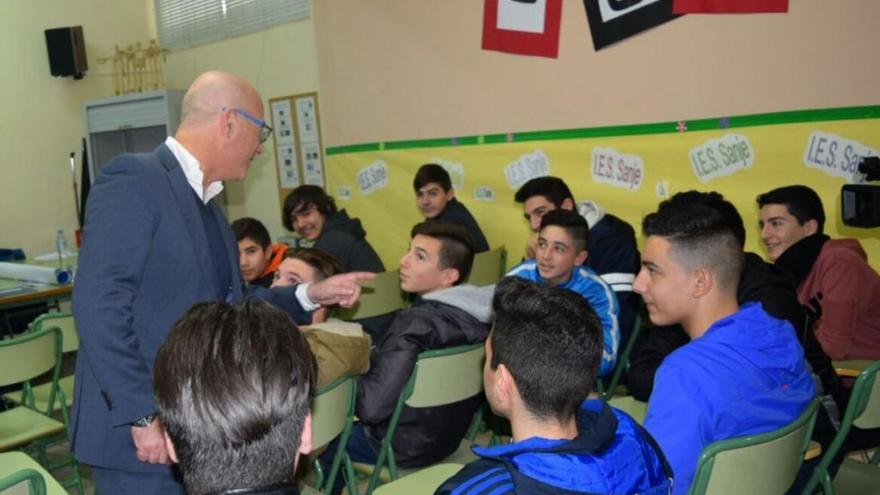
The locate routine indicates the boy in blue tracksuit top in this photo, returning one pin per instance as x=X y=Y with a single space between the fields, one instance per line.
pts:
x=560 y=251
x=535 y=377
x=743 y=372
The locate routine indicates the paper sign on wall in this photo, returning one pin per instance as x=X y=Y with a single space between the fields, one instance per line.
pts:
x=526 y=168
x=484 y=193
x=283 y=121
x=611 y=167
x=287 y=170
x=836 y=156
x=373 y=177
x=720 y=157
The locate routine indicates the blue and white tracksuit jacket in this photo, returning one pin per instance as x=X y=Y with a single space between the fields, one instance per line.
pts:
x=598 y=294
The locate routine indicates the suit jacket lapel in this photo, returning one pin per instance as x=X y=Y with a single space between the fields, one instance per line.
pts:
x=231 y=249
x=187 y=207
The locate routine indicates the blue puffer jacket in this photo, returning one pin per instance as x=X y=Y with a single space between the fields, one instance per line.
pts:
x=602 y=299
x=745 y=375
x=612 y=454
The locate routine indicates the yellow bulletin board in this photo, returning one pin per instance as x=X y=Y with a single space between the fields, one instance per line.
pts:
x=297 y=139
x=626 y=169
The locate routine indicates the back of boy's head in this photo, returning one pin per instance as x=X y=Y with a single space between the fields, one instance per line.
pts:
x=456 y=248
x=253 y=229
x=574 y=225
x=551 y=342
x=325 y=264
x=303 y=198
x=232 y=386
x=700 y=237
x=801 y=202
x=552 y=188
x=431 y=172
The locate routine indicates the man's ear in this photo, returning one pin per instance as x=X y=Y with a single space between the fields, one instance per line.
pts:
x=305 y=439
x=169 y=445
x=581 y=258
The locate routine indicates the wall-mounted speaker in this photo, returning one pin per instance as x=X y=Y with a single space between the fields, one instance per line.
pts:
x=67 y=52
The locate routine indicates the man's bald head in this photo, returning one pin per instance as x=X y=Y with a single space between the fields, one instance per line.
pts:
x=211 y=92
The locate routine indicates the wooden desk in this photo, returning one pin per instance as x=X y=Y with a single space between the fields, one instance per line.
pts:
x=30 y=293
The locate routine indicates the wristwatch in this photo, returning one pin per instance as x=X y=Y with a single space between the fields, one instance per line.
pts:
x=145 y=421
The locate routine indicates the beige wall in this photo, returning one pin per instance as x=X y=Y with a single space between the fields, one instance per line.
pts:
x=42 y=115
x=278 y=62
x=395 y=70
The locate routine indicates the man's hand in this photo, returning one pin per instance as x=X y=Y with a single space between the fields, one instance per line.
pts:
x=339 y=289
x=532 y=247
x=150 y=443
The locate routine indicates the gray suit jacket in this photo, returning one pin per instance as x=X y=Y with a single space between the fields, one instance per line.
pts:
x=145 y=260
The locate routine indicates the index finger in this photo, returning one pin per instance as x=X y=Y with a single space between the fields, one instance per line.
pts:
x=357 y=276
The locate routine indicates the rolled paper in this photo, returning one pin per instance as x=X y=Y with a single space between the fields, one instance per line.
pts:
x=32 y=273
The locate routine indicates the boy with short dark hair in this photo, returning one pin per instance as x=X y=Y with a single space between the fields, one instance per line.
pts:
x=614 y=254
x=542 y=359
x=446 y=313
x=743 y=372
x=559 y=262
x=435 y=197
x=232 y=387
x=257 y=256
x=833 y=278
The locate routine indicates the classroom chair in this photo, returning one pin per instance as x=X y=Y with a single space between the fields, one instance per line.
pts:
x=17 y=468
x=379 y=295
x=442 y=376
x=424 y=482
x=24 y=358
x=488 y=267
x=766 y=463
x=43 y=396
x=332 y=411
x=607 y=391
x=862 y=411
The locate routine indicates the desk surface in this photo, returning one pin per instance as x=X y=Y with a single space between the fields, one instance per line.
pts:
x=29 y=293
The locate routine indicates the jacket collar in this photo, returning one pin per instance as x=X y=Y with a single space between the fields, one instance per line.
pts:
x=799 y=258
x=279 y=489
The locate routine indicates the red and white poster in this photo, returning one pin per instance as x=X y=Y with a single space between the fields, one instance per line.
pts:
x=728 y=6
x=524 y=27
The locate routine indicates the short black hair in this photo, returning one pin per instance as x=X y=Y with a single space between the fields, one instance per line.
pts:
x=802 y=202
x=251 y=228
x=304 y=197
x=551 y=341
x=456 y=248
x=431 y=172
x=700 y=237
x=552 y=188
x=232 y=386
x=325 y=264
x=716 y=201
x=574 y=225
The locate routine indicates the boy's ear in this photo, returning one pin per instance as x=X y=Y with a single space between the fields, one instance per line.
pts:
x=704 y=280
x=811 y=226
x=567 y=204
x=449 y=276
x=581 y=258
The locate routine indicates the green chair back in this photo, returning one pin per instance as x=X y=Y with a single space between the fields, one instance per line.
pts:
x=423 y=481
x=489 y=267
x=756 y=464
x=863 y=411
x=379 y=295
x=36 y=485
x=64 y=321
x=622 y=361
x=30 y=355
x=441 y=376
x=16 y=467
x=332 y=411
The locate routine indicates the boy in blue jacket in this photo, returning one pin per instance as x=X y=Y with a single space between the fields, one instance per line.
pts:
x=541 y=362
x=743 y=372
x=560 y=253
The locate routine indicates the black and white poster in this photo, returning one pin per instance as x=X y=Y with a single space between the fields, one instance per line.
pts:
x=614 y=20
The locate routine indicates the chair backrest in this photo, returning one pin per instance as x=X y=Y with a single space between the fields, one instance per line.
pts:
x=380 y=295
x=445 y=376
x=866 y=398
x=756 y=464
x=332 y=408
x=488 y=267
x=36 y=485
x=64 y=321
x=30 y=355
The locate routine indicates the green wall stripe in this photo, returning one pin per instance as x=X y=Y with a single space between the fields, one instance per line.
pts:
x=791 y=117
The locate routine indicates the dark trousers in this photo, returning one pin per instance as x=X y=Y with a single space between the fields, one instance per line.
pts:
x=112 y=482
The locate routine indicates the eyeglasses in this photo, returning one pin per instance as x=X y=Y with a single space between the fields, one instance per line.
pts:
x=265 y=129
